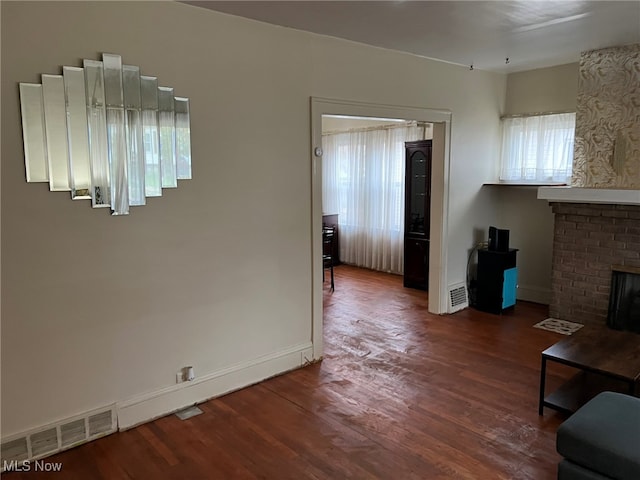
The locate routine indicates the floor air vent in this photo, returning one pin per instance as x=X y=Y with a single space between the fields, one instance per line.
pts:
x=458 y=298
x=57 y=437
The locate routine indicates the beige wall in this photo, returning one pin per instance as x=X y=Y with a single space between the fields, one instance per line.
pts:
x=529 y=219
x=216 y=273
x=550 y=89
x=530 y=222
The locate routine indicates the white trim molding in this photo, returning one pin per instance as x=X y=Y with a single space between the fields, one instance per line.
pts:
x=589 y=195
x=149 y=406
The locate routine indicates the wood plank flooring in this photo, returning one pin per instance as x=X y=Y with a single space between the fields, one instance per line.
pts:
x=400 y=394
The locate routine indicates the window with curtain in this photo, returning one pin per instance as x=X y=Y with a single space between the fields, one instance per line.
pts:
x=538 y=148
x=363 y=182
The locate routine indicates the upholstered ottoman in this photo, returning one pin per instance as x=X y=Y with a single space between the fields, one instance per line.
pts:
x=601 y=440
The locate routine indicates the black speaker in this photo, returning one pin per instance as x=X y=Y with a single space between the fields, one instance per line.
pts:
x=493 y=238
x=502 y=245
x=498 y=239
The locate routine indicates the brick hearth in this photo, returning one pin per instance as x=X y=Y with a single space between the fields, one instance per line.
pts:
x=588 y=240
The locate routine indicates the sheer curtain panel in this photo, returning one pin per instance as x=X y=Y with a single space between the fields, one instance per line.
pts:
x=538 y=148
x=363 y=181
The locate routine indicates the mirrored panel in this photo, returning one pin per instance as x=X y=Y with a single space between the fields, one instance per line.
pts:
x=77 y=134
x=183 y=138
x=135 y=149
x=106 y=133
x=116 y=134
x=97 y=130
x=33 y=133
x=167 y=124
x=55 y=120
x=152 y=174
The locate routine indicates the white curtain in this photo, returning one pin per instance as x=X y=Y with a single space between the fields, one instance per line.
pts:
x=538 y=148
x=363 y=182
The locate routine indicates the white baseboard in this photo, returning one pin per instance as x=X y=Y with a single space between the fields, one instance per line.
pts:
x=152 y=405
x=534 y=294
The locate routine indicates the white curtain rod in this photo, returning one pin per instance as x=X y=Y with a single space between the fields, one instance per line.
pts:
x=535 y=114
x=410 y=123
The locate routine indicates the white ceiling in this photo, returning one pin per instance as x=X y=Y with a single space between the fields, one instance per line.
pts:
x=532 y=34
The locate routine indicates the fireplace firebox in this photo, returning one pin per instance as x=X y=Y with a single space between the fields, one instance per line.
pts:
x=624 y=299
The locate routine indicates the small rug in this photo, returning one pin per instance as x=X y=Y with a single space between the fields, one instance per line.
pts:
x=559 y=326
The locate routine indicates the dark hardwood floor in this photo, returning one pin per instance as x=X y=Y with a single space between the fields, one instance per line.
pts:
x=400 y=394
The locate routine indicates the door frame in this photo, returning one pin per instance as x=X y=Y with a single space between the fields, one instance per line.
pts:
x=441 y=120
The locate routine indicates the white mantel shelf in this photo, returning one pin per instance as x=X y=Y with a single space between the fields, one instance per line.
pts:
x=589 y=195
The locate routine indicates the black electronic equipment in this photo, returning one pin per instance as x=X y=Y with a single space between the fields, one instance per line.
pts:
x=498 y=240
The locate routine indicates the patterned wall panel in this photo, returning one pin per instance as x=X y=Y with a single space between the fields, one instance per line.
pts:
x=607 y=143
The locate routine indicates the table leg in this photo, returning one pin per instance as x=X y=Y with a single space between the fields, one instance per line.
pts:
x=543 y=375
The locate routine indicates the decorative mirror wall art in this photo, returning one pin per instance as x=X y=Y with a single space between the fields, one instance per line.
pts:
x=105 y=132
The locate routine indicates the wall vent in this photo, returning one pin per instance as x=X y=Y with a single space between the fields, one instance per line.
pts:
x=73 y=433
x=100 y=423
x=458 y=298
x=44 y=442
x=57 y=437
x=15 y=451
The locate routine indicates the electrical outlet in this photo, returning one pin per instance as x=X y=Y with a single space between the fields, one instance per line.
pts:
x=185 y=374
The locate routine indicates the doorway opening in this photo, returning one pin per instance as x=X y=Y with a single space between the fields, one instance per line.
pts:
x=441 y=122
x=364 y=191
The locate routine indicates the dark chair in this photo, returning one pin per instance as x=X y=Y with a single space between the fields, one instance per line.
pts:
x=328 y=234
x=601 y=440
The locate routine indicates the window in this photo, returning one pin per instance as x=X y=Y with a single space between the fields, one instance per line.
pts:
x=538 y=148
x=363 y=181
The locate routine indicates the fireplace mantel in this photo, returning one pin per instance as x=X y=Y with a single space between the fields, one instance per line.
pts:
x=589 y=195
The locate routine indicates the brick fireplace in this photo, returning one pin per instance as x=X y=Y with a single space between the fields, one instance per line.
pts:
x=597 y=220
x=590 y=239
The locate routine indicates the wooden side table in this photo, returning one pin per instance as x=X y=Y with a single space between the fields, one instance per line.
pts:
x=607 y=359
